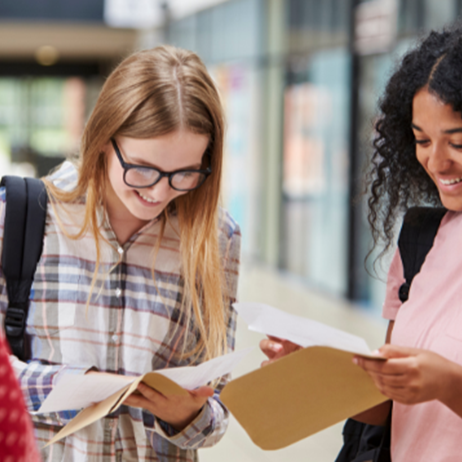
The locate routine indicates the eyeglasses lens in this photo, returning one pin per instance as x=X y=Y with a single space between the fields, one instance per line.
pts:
x=141 y=176
x=185 y=181
x=182 y=181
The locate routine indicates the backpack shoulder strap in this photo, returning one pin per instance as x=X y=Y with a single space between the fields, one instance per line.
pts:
x=25 y=216
x=418 y=232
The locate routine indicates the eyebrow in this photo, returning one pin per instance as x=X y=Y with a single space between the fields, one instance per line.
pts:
x=142 y=163
x=447 y=132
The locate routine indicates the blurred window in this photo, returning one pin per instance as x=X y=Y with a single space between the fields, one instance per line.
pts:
x=226 y=32
x=439 y=13
x=42 y=119
x=314 y=23
x=411 y=17
x=315 y=170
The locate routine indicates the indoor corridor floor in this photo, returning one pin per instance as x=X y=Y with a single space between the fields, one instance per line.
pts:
x=260 y=285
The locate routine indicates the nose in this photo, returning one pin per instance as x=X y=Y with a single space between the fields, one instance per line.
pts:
x=161 y=190
x=439 y=158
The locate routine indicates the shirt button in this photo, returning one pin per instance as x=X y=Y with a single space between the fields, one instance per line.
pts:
x=115 y=337
x=120 y=250
x=118 y=292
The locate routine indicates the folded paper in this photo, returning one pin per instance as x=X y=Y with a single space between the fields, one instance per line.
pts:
x=104 y=393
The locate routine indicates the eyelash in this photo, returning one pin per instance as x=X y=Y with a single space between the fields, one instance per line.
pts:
x=421 y=142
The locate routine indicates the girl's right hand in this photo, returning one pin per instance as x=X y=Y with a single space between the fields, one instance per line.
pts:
x=275 y=348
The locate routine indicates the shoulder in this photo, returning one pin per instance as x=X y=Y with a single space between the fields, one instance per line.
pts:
x=227 y=226
x=65 y=177
x=395 y=279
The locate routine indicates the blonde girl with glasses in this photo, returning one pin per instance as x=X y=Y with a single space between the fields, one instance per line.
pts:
x=139 y=266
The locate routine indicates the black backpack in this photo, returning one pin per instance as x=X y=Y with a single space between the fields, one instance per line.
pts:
x=371 y=443
x=25 y=216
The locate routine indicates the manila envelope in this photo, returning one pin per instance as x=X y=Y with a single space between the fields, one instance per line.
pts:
x=97 y=411
x=298 y=395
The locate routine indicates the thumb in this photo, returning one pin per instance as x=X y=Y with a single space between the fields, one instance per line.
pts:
x=395 y=351
x=203 y=392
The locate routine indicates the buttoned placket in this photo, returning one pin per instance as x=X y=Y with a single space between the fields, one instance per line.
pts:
x=116 y=314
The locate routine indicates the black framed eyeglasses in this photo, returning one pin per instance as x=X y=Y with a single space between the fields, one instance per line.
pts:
x=140 y=176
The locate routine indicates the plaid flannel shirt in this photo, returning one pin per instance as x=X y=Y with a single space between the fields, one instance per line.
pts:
x=131 y=327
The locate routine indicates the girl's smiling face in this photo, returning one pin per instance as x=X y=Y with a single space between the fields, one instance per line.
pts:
x=438 y=136
x=178 y=150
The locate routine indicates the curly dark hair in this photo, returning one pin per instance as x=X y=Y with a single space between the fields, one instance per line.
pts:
x=396 y=180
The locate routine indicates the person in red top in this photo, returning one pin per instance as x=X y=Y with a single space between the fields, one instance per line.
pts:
x=17 y=441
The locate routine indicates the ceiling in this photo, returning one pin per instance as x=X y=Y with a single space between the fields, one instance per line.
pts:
x=73 y=41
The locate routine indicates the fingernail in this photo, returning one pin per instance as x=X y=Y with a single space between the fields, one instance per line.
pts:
x=355 y=360
x=276 y=346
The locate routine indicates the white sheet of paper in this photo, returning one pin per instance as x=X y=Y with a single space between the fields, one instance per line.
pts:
x=80 y=391
x=302 y=331
x=191 y=377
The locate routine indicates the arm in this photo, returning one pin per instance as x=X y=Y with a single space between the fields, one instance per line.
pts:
x=377 y=415
x=200 y=419
x=36 y=380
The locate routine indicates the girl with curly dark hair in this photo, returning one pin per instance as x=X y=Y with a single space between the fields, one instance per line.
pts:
x=417 y=160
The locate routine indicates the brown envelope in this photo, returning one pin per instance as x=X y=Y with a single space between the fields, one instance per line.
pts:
x=97 y=411
x=299 y=395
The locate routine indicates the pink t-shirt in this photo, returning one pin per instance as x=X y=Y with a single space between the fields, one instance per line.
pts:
x=431 y=319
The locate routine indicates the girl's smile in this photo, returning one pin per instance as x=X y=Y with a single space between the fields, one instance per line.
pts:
x=146 y=200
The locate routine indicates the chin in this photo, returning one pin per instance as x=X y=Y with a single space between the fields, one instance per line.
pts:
x=452 y=205
x=148 y=216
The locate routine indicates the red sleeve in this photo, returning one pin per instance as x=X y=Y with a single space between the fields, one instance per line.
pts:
x=395 y=279
x=17 y=442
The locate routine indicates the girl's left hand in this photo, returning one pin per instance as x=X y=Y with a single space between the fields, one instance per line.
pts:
x=411 y=375
x=178 y=411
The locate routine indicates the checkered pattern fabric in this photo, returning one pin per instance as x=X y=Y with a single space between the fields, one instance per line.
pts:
x=131 y=326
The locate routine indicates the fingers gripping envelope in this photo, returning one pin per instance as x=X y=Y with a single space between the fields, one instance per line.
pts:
x=101 y=394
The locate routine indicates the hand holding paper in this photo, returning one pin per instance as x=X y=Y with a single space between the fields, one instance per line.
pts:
x=275 y=348
x=84 y=391
x=177 y=410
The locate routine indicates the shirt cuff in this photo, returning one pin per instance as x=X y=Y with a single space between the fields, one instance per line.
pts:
x=194 y=433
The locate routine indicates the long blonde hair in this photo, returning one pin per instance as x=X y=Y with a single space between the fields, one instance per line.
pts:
x=153 y=93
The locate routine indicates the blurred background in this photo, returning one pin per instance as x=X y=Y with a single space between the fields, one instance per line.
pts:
x=300 y=80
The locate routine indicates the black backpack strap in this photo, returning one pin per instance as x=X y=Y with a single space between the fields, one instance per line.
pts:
x=418 y=232
x=25 y=215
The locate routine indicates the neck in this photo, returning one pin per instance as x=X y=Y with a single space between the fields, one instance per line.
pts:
x=123 y=223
